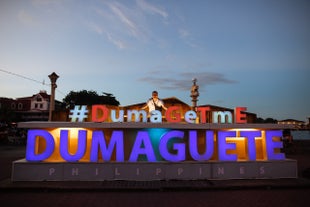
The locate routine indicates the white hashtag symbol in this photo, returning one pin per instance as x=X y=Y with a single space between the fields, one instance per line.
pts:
x=79 y=113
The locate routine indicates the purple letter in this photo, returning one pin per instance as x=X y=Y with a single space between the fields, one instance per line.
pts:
x=142 y=138
x=271 y=145
x=223 y=146
x=98 y=141
x=179 y=147
x=64 y=148
x=31 y=145
x=209 y=148
x=250 y=135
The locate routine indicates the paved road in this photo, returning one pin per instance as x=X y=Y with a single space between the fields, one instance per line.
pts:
x=231 y=198
x=254 y=197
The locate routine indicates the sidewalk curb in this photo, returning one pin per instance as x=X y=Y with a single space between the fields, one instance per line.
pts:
x=172 y=185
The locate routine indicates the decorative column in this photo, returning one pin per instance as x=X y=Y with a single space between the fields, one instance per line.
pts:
x=194 y=94
x=53 y=77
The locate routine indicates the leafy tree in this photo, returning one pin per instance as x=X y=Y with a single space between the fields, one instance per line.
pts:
x=259 y=120
x=7 y=115
x=85 y=97
x=271 y=120
x=268 y=120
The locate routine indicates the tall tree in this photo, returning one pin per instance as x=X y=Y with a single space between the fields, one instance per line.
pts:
x=85 y=97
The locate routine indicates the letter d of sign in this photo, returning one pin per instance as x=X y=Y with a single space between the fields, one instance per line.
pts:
x=31 y=145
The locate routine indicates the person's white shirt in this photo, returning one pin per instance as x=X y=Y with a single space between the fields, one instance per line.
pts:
x=154 y=102
x=151 y=104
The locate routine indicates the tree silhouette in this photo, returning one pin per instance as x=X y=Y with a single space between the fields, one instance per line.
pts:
x=268 y=120
x=271 y=121
x=85 y=97
x=7 y=115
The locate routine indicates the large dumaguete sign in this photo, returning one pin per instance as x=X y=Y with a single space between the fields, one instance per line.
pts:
x=151 y=149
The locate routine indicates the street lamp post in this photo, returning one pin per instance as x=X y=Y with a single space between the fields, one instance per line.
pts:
x=53 y=77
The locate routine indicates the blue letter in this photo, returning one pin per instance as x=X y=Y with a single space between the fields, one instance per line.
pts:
x=271 y=145
x=193 y=145
x=223 y=115
x=179 y=147
x=250 y=135
x=31 y=145
x=142 y=138
x=137 y=115
x=64 y=148
x=190 y=117
x=98 y=141
x=223 y=146
x=120 y=116
x=156 y=116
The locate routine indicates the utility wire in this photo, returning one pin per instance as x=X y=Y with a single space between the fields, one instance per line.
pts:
x=27 y=78
x=24 y=77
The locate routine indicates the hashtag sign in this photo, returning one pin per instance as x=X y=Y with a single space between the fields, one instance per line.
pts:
x=79 y=113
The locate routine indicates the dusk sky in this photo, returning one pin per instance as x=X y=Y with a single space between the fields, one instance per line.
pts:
x=252 y=53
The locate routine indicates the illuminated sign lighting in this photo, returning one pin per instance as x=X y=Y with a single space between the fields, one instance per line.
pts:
x=100 y=113
x=152 y=144
x=135 y=145
x=85 y=145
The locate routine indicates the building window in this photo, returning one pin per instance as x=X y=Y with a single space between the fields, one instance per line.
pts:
x=35 y=105
x=13 y=105
x=20 y=106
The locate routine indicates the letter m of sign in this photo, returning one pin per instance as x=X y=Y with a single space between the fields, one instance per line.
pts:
x=223 y=116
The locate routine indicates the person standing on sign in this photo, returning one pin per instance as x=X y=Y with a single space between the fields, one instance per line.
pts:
x=154 y=103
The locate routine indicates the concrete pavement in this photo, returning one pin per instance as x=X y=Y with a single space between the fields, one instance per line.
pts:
x=300 y=152
x=232 y=193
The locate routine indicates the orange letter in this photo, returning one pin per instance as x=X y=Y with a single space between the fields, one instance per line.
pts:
x=177 y=116
x=240 y=118
x=203 y=110
x=99 y=109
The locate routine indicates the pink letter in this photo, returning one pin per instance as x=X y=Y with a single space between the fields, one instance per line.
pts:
x=95 y=112
x=177 y=115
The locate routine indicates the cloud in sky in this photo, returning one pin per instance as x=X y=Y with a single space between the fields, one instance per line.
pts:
x=122 y=14
x=180 y=82
x=186 y=37
x=125 y=25
x=151 y=8
x=231 y=47
x=26 y=18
